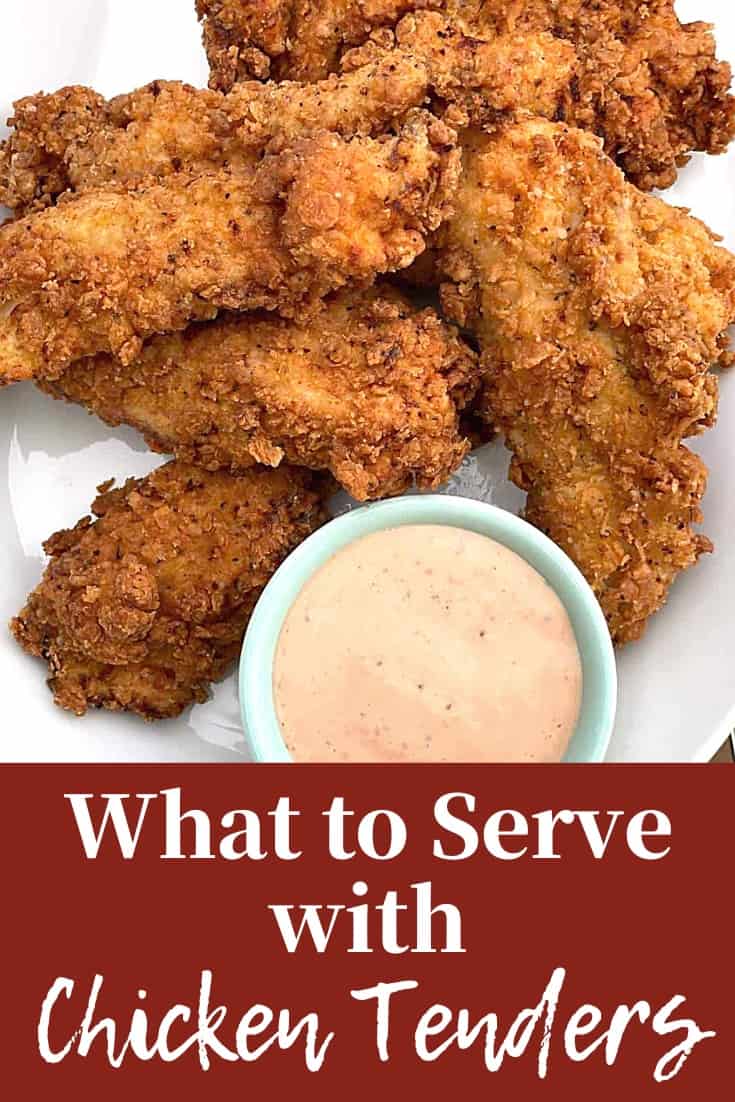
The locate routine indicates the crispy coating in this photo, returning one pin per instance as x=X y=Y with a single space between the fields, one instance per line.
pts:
x=108 y=269
x=368 y=389
x=653 y=88
x=650 y=85
x=73 y=139
x=485 y=79
x=288 y=39
x=142 y=609
x=506 y=72
x=599 y=312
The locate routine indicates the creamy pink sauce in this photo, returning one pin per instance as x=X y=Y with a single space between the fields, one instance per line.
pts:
x=427 y=644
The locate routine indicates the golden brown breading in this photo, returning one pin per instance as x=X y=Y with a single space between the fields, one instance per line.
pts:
x=599 y=311
x=507 y=72
x=484 y=78
x=288 y=39
x=650 y=85
x=108 y=269
x=74 y=139
x=368 y=389
x=142 y=609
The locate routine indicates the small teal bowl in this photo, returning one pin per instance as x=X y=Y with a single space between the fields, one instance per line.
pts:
x=599 y=698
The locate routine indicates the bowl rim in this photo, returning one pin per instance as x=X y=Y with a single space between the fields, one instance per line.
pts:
x=255 y=676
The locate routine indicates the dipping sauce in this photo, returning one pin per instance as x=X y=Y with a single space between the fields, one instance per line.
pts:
x=426 y=643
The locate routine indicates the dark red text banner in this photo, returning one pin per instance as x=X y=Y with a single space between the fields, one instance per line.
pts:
x=580 y=921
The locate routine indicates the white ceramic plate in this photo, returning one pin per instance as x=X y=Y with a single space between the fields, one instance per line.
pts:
x=677 y=686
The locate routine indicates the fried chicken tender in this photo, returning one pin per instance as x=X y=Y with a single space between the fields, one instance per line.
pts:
x=485 y=78
x=142 y=609
x=288 y=39
x=652 y=87
x=599 y=311
x=74 y=139
x=368 y=388
x=506 y=72
x=108 y=269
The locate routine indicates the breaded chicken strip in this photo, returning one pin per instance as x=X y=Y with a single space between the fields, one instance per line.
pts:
x=142 y=609
x=288 y=39
x=108 y=269
x=486 y=78
x=652 y=87
x=600 y=311
x=74 y=139
x=368 y=388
